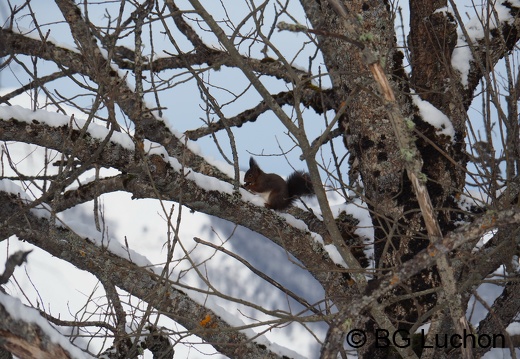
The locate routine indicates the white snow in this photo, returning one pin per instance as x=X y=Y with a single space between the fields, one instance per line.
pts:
x=56 y=120
x=462 y=57
x=11 y=187
x=206 y=182
x=294 y=222
x=100 y=132
x=513 y=328
x=334 y=255
x=434 y=117
x=35 y=35
x=40 y=211
x=21 y=312
x=331 y=249
x=359 y=210
x=97 y=131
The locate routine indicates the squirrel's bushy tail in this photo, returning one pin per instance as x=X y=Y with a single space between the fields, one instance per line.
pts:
x=299 y=184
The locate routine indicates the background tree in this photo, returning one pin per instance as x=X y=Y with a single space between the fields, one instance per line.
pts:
x=415 y=217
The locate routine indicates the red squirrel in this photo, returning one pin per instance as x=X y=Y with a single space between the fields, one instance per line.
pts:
x=277 y=193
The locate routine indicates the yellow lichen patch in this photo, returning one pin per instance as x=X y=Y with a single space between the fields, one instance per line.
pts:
x=204 y=322
x=208 y=322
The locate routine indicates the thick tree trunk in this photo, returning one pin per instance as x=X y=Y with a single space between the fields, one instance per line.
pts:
x=370 y=137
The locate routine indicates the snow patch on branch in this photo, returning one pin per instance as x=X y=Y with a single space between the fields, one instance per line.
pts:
x=475 y=27
x=100 y=132
x=330 y=249
x=35 y=35
x=40 y=211
x=58 y=120
x=434 y=117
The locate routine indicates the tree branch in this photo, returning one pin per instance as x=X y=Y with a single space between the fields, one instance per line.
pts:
x=320 y=101
x=128 y=276
x=164 y=182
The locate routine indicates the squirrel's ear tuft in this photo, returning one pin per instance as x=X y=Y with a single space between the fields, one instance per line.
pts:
x=252 y=163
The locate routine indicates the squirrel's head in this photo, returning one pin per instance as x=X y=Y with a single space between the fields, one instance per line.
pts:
x=252 y=174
